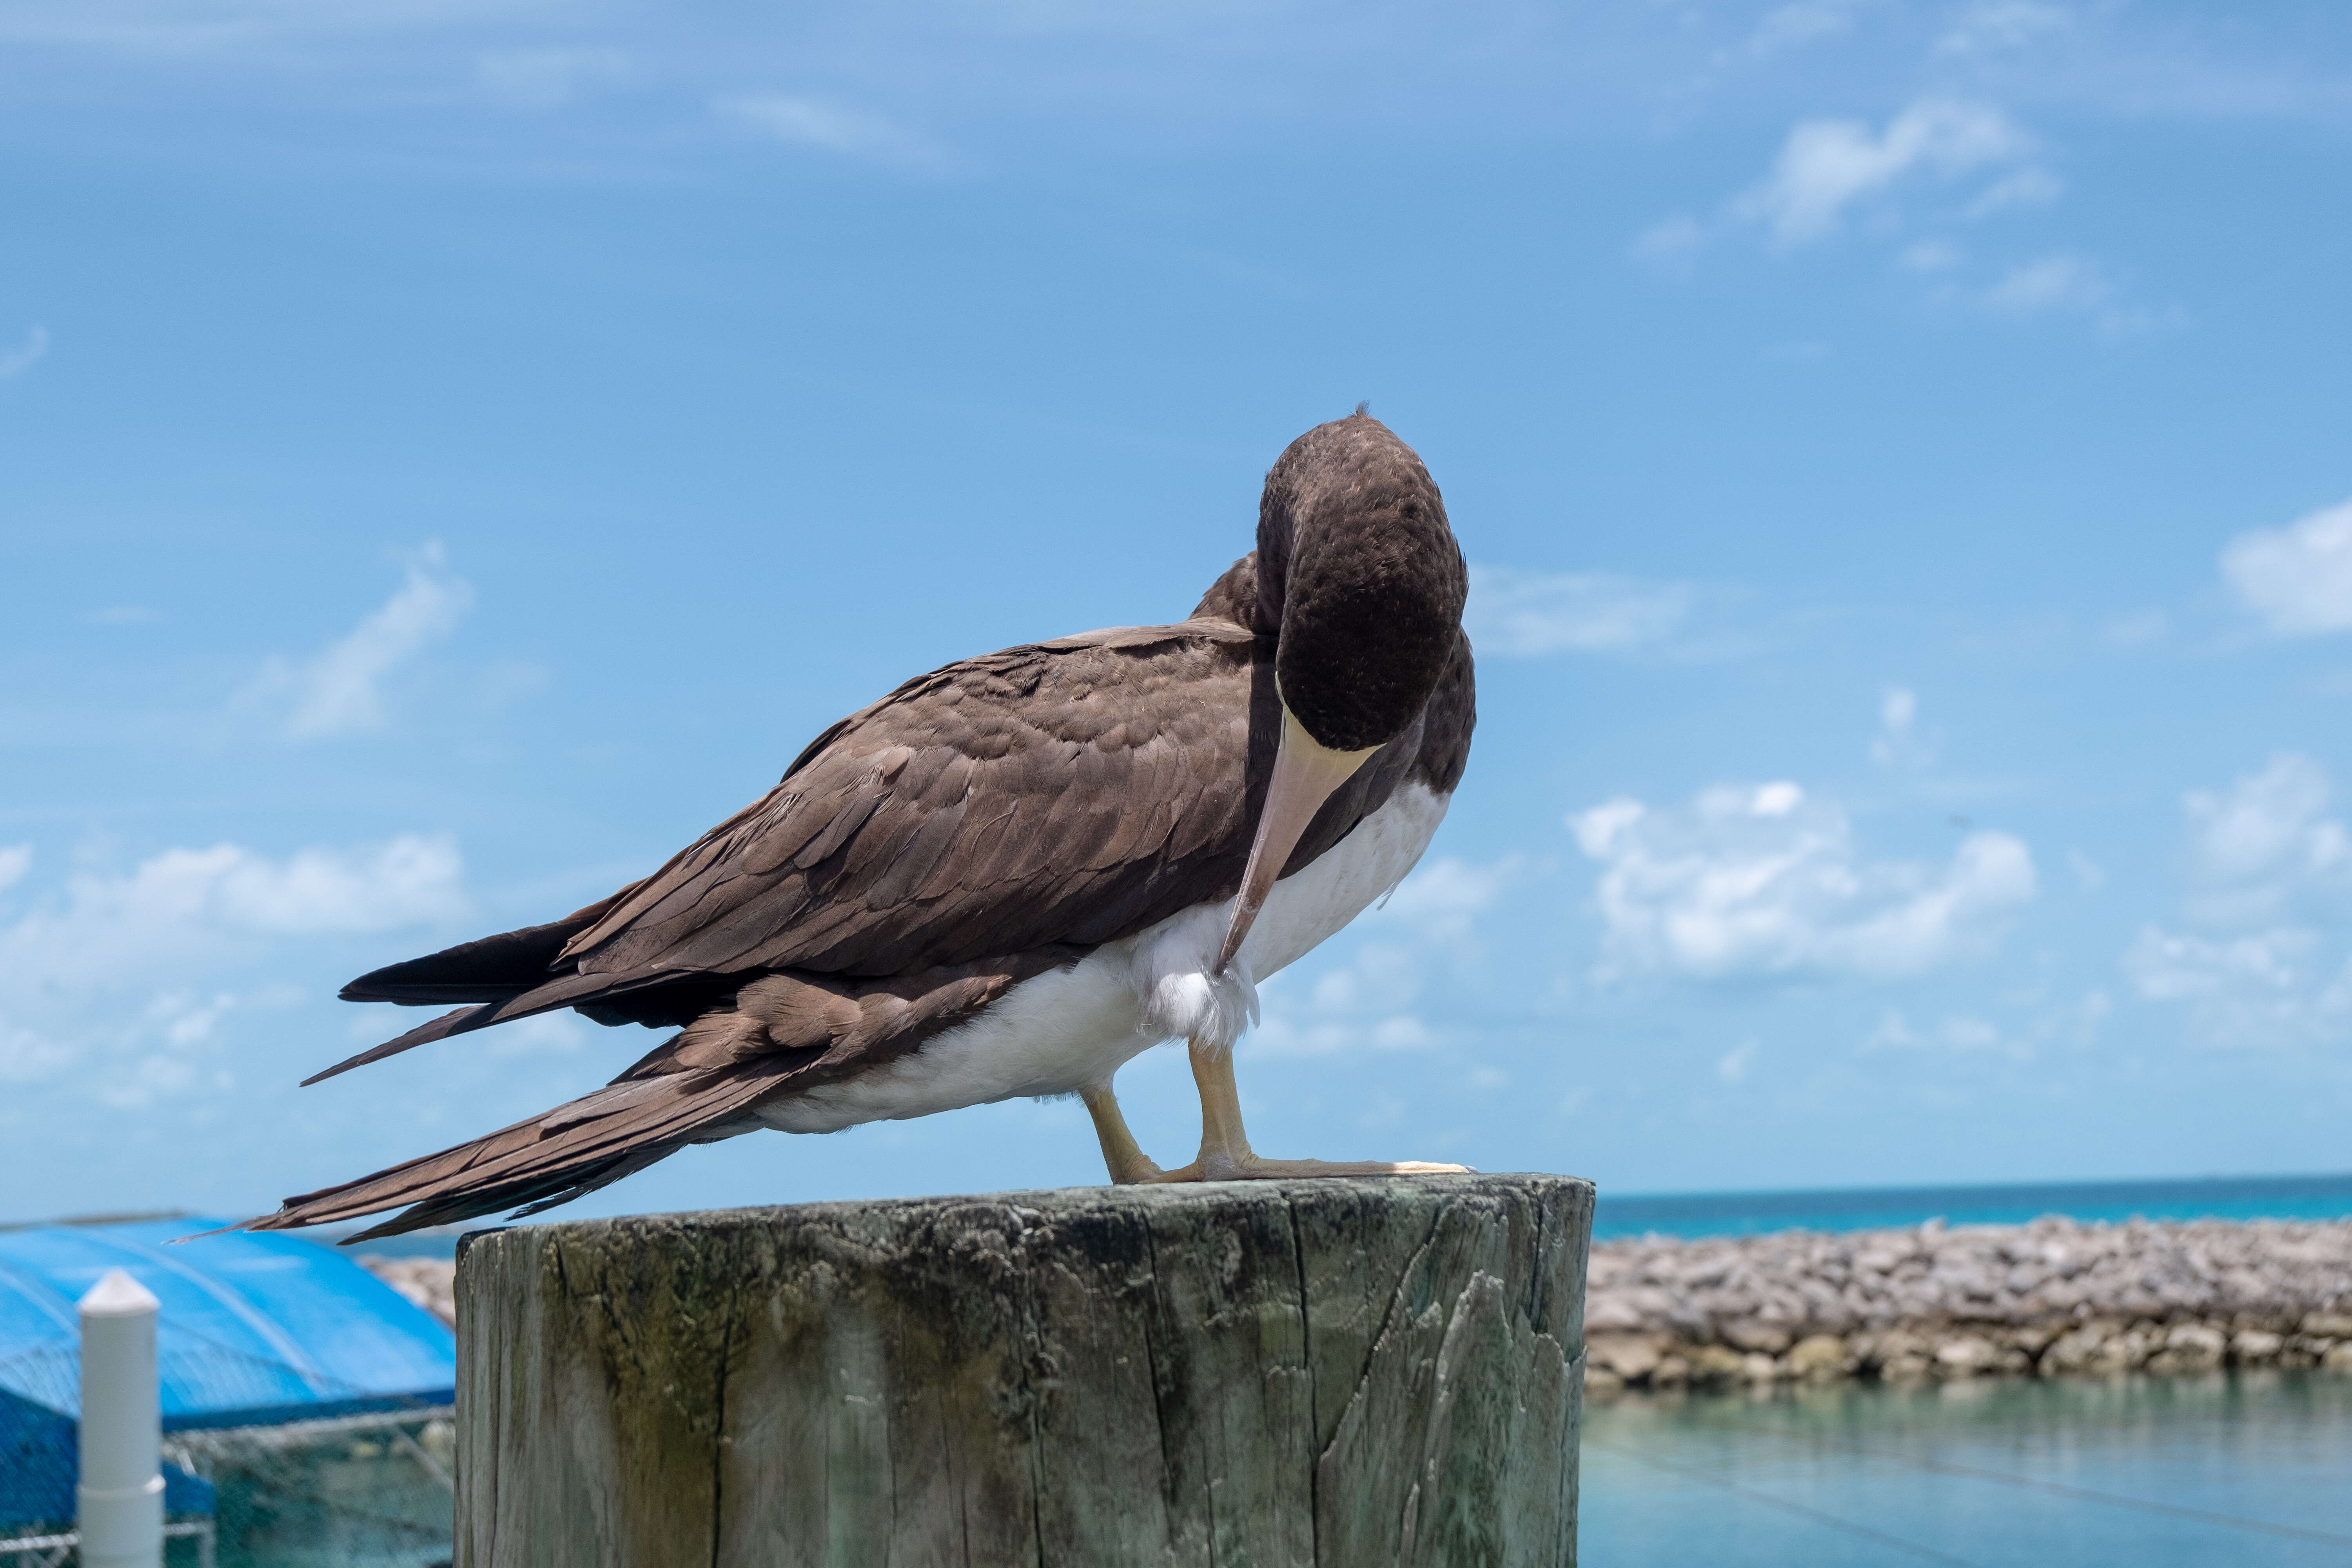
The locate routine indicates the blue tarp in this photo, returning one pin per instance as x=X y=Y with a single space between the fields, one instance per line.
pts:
x=38 y=1465
x=253 y=1329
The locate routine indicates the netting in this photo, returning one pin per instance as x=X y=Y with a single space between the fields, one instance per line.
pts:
x=366 y=1488
x=355 y=1491
x=370 y=1490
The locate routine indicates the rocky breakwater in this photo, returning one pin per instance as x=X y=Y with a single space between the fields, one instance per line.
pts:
x=430 y=1282
x=2050 y=1298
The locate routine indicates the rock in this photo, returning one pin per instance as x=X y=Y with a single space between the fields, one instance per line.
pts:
x=427 y=1282
x=2254 y=1347
x=2338 y=1357
x=1758 y=1367
x=2189 y=1347
x=1965 y=1357
x=1748 y=1334
x=1818 y=1358
x=1672 y=1371
x=2071 y=1354
x=1600 y=1380
x=2025 y=1290
x=1712 y=1366
x=2124 y=1352
x=1631 y=1357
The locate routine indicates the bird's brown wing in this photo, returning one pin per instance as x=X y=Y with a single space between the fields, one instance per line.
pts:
x=1070 y=792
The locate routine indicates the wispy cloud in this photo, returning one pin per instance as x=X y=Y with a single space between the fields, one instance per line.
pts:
x=2052 y=283
x=17 y=362
x=339 y=690
x=2026 y=188
x=2001 y=26
x=1524 y=614
x=182 y=906
x=1828 y=166
x=1758 y=881
x=110 y=973
x=2268 y=871
x=549 y=79
x=1799 y=23
x=2296 y=579
x=1900 y=743
x=1379 y=998
x=2070 y=284
x=15 y=860
x=804 y=122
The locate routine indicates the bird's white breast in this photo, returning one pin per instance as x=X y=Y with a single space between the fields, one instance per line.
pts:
x=1059 y=1031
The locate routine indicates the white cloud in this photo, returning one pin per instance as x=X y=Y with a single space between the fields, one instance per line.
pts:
x=1828 y=166
x=547 y=78
x=2052 y=283
x=1932 y=255
x=1734 y=1065
x=96 y=980
x=2076 y=1024
x=2137 y=628
x=1757 y=881
x=339 y=690
x=15 y=860
x=2268 y=871
x=17 y=362
x=1670 y=244
x=2297 y=579
x=2266 y=847
x=28 y=1057
x=1900 y=743
x=1803 y=22
x=812 y=122
x=2001 y=26
x=186 y=907
x=1525 y=614
x=2074 y=284
x=1376 y=999
x=2025 y=188
x=2266 y=990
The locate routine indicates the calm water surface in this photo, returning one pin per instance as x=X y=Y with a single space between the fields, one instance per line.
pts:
x=1877 y=1208
x=2247 y=1470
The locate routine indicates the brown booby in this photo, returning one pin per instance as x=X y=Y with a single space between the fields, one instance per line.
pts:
x=1010 y=876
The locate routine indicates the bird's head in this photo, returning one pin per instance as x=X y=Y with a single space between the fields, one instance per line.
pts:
x=1361 y=585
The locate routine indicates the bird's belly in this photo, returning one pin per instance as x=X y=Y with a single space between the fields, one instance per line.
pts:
x=1060 y=1031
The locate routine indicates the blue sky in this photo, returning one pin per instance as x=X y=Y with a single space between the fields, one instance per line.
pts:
x=450 y=454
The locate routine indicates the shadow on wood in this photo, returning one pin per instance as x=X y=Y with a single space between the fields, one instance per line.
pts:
x=1333 y=1373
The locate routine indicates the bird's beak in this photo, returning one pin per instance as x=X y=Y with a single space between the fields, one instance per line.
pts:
x=1306 y=772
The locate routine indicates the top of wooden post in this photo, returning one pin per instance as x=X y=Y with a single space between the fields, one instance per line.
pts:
x=1327 y=1371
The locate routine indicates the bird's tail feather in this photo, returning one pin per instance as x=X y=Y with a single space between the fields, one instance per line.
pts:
x=547 y=1160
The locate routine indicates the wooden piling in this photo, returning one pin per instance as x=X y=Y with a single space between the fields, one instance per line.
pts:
x=1341 y=1373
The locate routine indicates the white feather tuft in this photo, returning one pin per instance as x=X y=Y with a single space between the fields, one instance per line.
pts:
x=1183 y=997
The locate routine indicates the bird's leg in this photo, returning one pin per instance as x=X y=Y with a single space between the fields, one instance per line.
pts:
x=1128 y=1162
x=1225 y=1154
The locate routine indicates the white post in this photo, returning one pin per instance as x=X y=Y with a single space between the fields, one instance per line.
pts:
x=121 y=1490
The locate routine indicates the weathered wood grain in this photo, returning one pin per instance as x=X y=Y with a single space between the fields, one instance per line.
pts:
x=1341 y=1373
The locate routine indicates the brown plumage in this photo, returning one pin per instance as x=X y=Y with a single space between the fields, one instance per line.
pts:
x=981 y=825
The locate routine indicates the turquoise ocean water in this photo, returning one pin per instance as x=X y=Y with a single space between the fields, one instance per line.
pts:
x=2238 y=1470
x=1856 y=1208
x=1877 y=1208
